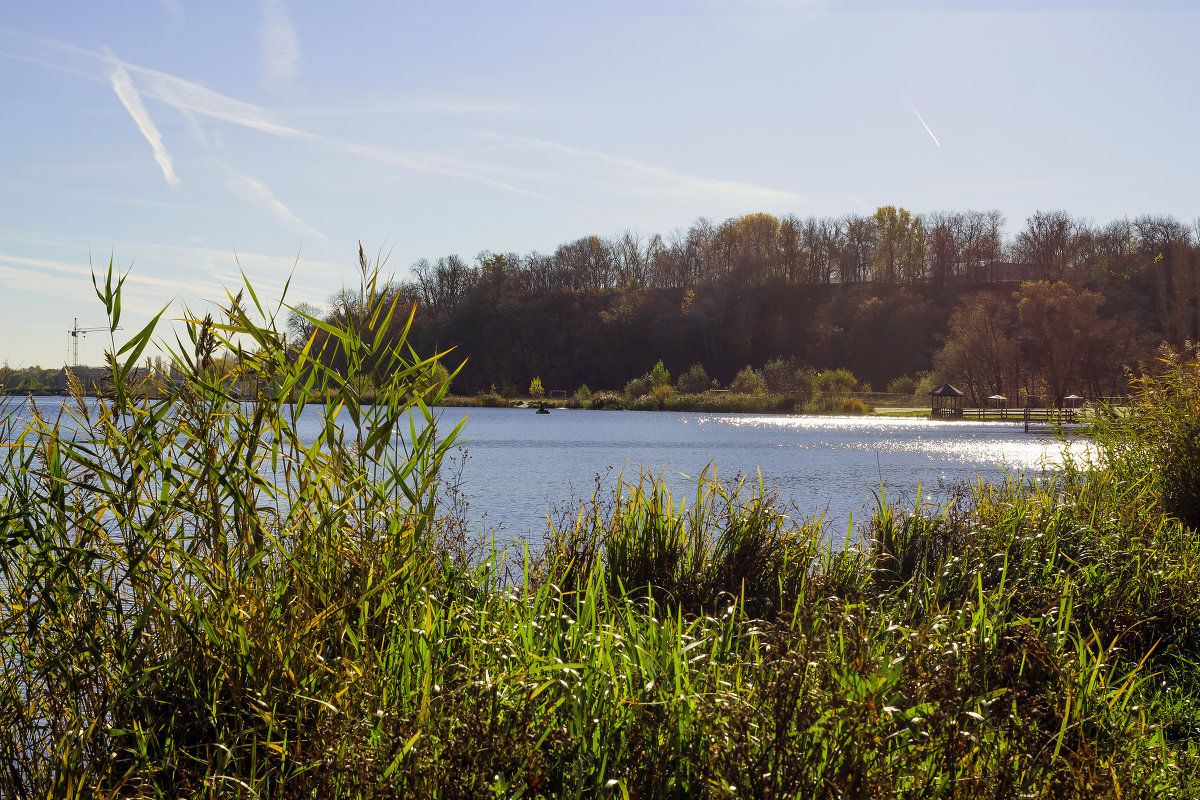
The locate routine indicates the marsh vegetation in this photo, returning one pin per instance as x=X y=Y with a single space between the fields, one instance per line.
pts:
x=198 y=603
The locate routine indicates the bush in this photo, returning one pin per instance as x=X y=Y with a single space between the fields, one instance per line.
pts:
x=926 y=382
x=852 y=405
x=583 y=396
x=905 y=385
x=491 y=400
x=659 y=376
x=806 y=383
x=694 y=381
x=781 y=375
x=637 y=388
x=646 y=402
x=1159 y=437
x=536 y=389
x=602 y=400
x=837 y=382
x=826 y=404
x=748 y=381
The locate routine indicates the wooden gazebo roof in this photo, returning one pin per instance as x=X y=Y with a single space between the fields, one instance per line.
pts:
x=946 y=390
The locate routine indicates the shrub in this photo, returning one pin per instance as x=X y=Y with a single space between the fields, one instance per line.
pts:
x=659 y=376
x=494 y=401
x=781 y=375
x=748 y=381
x=603 y=399
x=662 y=394
x=836 y=382
x=637 y=388
x=646 y=402
x=852 y=405
x=1159 y=437
x=926 y=382
x=905 y=384
x=583 y=396
x=827 y=404
x=536 y=389
x=694 y=380
x=806 y=383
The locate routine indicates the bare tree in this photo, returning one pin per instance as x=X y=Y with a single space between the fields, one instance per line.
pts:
x=298 y=326
x=858 y=243
x=1049 y=243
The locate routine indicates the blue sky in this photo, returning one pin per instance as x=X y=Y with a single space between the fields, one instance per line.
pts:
x=186 y=139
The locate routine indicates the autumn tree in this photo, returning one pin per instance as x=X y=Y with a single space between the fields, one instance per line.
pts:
x=1169 y=260
x=899 y=247
x=981 y=350
x=1059 y=325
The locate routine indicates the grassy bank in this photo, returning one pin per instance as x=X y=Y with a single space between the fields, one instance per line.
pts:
x=198 y=604
x=711 y=401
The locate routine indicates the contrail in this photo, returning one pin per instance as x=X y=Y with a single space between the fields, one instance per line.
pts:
x=258 y=193
x=918 y=113
x=132 y=101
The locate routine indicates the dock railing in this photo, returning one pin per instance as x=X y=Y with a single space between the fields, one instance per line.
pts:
x=1029 y=416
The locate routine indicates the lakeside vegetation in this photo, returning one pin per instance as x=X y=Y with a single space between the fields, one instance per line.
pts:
x=1059 y=306
x=196 y=603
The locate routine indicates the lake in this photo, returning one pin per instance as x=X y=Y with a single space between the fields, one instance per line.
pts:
x=518 y=466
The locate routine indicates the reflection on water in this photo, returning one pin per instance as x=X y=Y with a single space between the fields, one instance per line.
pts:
x=519 y=466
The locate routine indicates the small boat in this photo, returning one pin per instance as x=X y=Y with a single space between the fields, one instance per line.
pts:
x=542 y=409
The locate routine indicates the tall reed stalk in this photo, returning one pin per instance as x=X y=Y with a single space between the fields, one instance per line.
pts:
x=199 y=602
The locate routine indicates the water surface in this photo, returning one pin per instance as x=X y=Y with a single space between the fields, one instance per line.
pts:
x=521 y=465
x=518 y=467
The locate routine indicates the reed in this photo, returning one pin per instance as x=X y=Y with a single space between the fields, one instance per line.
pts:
x=198 y=602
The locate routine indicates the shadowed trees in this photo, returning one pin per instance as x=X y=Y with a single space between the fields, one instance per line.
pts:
x=880 y=294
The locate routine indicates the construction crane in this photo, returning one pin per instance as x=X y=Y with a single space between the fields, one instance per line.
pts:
x=77 y=333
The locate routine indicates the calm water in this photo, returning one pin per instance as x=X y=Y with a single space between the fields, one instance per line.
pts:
x=519 y=466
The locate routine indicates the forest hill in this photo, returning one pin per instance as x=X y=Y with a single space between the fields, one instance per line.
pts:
x=1063 y=306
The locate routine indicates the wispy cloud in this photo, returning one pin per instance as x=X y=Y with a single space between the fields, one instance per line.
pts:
x=175 y=12
x=195 y=100
x=255 y=192
x=927 y=130
x=279 y=46
x=663 y=180
x=123 y=86
x=189 y=96
x=431 y=106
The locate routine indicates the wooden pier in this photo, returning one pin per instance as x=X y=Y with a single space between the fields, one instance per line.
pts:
x=1033 y=418
x=947 y=403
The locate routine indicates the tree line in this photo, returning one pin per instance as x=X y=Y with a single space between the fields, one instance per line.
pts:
x=1061 y=306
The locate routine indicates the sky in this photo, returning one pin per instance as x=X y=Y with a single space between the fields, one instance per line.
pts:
x=190 y=142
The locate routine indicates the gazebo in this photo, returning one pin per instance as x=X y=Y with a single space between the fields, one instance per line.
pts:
x=947 y=402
